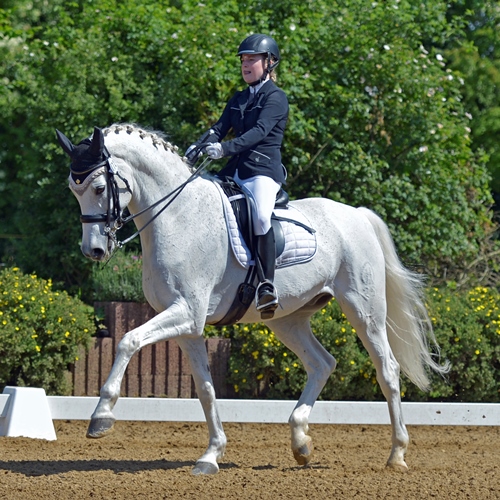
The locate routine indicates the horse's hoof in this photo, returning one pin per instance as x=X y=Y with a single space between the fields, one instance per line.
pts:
x=205 y=468
x=398 y=466
x=100 y=427
x=303 y=454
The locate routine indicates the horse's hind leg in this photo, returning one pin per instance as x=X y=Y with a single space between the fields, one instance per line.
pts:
x=295 y=332
x=371 y=329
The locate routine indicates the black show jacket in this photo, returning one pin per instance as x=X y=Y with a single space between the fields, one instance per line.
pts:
x=258 y=129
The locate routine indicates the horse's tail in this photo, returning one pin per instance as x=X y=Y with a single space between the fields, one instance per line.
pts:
x=409 y=327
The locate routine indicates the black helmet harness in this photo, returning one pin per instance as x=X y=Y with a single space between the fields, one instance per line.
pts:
x=261 y=44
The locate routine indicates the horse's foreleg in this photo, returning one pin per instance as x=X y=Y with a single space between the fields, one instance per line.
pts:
x=102 y=420
x=195 y=350
x=165 y=326
x=295 y=332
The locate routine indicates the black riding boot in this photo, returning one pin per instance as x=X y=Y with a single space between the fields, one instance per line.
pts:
x=267 y=297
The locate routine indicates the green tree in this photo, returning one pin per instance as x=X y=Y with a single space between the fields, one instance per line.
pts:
x=477 y=57
x=376 y=115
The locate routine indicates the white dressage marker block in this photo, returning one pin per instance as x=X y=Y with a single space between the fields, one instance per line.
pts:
x=26 y=414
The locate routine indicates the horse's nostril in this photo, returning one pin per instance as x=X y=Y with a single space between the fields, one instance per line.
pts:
x=97 y=253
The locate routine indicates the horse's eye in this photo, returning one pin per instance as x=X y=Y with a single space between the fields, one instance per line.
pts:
x=100 y=189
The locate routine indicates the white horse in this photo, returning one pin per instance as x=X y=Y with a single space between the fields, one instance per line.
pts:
x=190 y=277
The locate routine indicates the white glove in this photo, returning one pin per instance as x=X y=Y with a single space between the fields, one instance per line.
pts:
x=215 y=151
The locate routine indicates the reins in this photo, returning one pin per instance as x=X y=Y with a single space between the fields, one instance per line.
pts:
x=176 y=192
x=113 y=217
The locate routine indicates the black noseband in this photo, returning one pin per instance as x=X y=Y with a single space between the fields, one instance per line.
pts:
x=86 y=219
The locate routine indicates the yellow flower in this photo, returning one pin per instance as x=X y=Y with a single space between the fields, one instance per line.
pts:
x=67 y=334
x=260 y=376
x=37 y=348
x=478 y=352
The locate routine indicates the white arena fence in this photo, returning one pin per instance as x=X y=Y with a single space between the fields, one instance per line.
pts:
x=29 y=412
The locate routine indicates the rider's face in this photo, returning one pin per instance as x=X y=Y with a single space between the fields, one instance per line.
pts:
x=252 y=67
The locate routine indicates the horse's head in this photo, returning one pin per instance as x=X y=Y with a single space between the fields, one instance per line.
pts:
x=93 y=181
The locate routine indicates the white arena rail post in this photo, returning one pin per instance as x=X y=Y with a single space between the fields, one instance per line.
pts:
x=25 y=412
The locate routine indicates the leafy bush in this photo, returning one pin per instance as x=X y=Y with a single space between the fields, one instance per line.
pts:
x=41 y=331
x=467 y=327
x=119 y=280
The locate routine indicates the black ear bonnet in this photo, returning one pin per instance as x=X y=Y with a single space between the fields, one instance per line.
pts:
x=86 y=156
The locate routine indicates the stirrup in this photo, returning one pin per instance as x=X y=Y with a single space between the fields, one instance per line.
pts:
x=267 y=308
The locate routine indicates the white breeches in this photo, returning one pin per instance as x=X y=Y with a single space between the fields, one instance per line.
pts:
x=263 y=191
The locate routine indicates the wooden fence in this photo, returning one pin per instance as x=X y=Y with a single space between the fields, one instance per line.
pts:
x=159 y=370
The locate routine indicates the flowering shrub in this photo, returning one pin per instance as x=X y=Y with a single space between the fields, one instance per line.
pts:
x=261 y=366
x=467 y=327
x=41 y=331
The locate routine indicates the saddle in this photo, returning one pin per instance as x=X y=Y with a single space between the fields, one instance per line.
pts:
x=241 y=205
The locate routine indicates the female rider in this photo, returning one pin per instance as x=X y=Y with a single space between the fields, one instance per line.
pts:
x=257 y=116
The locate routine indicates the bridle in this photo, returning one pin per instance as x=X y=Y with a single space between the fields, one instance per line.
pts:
x=113 y=218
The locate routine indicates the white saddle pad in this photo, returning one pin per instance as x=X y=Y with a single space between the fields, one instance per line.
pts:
x=300 y=244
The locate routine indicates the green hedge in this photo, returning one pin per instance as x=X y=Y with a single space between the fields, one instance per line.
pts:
x=467 y=327
x=41 y=331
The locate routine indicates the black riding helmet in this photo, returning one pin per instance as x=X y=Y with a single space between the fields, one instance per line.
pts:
x=261 y=44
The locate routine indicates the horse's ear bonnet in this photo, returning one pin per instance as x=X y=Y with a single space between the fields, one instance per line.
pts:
x=86 y=156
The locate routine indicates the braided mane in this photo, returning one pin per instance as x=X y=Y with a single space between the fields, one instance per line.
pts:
x=157 y=138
